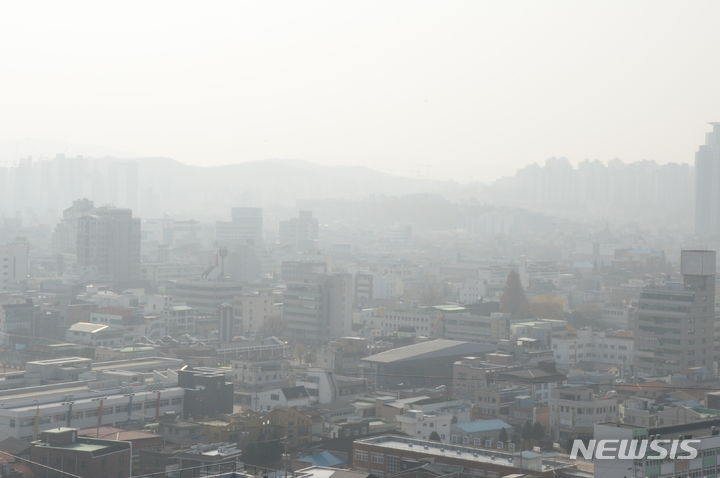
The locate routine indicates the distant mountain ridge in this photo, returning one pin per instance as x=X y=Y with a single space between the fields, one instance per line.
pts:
x=610 y=191
x=271 y=182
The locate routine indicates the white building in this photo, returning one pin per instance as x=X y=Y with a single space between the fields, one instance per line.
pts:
x=575 y=410
x=317 y=305
x=51 y=405
x=320 y=384
x=460 y=324
x=287 y=397
x=617 y=317
x=180 y=319
x=273 y=372
x=613 y=349
x=420 y=425
x=205 y=296
x=254 y=310
x=706 y=464
x=158 y=303
x=95 y=335
x=385 y=321
x=646 y=412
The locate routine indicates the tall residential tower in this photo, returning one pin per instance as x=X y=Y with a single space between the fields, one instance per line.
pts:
x=108 y=245
x=707 y=185
x=675 y=323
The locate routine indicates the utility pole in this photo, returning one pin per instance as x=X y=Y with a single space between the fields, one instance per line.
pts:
x=36 y=420
x=100 y=414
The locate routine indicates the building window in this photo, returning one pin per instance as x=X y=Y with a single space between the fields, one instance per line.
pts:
x=393 y=464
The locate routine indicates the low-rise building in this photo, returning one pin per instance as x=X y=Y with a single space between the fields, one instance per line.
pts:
x=398 y=368
x=575 y=410
x=75 y=404
x=63 y=449
x=386 y=455
x=589 y=348
x=420 y=425
x=707 y=434
x=295 y=396
x=483 y=433
x=95 y=335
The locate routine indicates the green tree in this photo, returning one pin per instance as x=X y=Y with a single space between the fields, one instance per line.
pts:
x=546 y=306
x=503 y=437
x=513 y=300
x=434 y=436
x=526 y=432
x=538 y=431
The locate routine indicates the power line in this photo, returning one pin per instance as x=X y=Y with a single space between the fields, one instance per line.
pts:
x=41 y=465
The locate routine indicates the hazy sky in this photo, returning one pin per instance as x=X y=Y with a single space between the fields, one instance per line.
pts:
x=467 y=90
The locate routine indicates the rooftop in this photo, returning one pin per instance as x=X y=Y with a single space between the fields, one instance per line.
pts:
x=430 y=349
x=483 y=426
x=87 y=327
x=435 y=449
x=324 y=458
x=113 y=433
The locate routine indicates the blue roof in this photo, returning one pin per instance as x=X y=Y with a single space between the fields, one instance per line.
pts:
x=324 y=458
x=688 y=403
x=483 y=426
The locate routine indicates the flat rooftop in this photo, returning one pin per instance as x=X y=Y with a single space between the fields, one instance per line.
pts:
x=435 y=449
x=146 y=363
x=430 y=349
x=701 y=429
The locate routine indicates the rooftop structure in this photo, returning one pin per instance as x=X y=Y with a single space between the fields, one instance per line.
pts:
x=382 y=454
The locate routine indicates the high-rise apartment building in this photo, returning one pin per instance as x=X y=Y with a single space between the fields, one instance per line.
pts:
x=14 y=264
x=707 y=185
x=245 y=228
x=243 y=238
x=300 y=232
x=64 y=239
x=318 y=305
x=108 y=245
x=226 y=323
x=674 y=324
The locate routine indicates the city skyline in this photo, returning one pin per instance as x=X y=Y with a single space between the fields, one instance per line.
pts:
x=322 y=239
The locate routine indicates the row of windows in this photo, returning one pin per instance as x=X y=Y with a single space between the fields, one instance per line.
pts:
x=78 y=414
x=585 y=411
x=590 y=346
x=486 y=442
